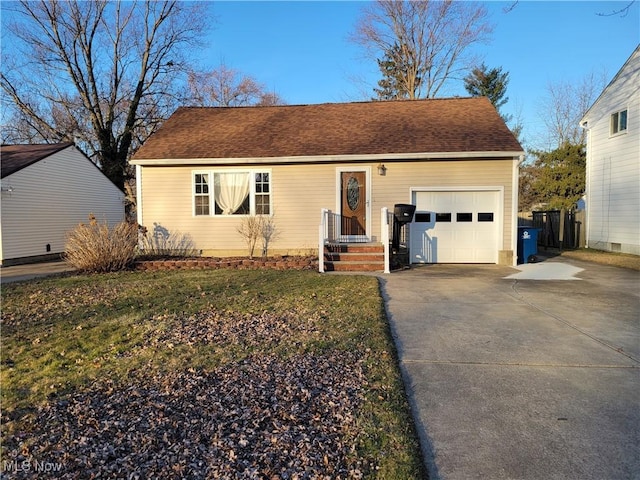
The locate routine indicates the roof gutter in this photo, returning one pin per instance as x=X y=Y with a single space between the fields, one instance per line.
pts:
x=377 y=157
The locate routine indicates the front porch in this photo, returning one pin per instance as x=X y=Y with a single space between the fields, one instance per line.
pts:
x=357 y=253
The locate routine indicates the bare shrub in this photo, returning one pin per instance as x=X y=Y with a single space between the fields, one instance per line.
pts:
x=268 y=232
x=94 y=247
x=250 y=229
x=256 y=228
x=162 y=243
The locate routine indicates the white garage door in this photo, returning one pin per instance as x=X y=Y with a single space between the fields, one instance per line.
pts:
x=455 y=227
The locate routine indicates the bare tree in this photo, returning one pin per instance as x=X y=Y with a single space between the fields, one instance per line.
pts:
x=431 y=39
x=566 y=104
x=102 y=74
x=227 y=87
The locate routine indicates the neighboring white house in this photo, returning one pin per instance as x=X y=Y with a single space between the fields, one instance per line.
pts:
x=612 y=125
x=46 y=191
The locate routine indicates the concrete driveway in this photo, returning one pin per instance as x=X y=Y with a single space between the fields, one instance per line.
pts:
x=511 y=378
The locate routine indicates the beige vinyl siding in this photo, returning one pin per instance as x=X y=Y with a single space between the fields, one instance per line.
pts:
x=51 y=197
x=395 y=186
x=299 y=192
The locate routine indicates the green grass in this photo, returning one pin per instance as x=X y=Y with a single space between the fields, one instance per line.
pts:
x=61 y=334
x=623 y=260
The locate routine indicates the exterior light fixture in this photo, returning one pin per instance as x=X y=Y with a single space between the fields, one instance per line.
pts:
x=382 y=170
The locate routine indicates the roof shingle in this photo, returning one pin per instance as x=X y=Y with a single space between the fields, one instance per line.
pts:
x=17 y=157
x=401 y=127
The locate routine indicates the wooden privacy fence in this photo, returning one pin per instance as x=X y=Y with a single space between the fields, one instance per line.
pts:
x=558 y=228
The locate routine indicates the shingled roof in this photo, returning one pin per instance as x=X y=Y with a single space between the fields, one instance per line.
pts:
x=17 y=157
x=365 y=128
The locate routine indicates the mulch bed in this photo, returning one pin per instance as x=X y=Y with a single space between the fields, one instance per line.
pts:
x=277 y=263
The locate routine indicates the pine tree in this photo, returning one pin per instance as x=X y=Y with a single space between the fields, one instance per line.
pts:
x=492 y=84
x=559 y=177
x=393 y=85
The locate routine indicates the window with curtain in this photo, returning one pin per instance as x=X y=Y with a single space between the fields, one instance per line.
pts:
x=232 y=193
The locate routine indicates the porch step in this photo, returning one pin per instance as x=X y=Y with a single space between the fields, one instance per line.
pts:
x=354 y=257
x=354 y=248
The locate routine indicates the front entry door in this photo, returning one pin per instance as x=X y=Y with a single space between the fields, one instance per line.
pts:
x=353 y=204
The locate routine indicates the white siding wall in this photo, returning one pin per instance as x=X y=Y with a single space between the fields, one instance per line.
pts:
x=613 y=166
x=301 y=191
x=50 y=198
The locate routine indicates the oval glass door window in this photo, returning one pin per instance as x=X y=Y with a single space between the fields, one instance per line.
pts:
x=353 y=193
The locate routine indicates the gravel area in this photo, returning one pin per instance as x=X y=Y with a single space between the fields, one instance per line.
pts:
x=263 y=417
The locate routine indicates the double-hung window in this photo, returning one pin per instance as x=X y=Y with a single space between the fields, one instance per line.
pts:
x=223 y=193
x=201 y=194
x=619 y=122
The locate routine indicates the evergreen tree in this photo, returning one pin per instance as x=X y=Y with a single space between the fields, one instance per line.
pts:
x=556 y=179
x=394 y=67
x=492 y=84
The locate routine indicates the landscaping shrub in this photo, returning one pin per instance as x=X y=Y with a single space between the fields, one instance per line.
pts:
x=94 y=247
x=257 y=227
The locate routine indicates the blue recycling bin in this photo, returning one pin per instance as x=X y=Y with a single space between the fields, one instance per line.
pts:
x=527 y=244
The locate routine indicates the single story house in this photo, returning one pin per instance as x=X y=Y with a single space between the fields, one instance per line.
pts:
x=332 y=173
x=612 y=125
x=46 y=191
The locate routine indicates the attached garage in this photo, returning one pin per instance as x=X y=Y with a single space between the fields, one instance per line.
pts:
x=456 y=225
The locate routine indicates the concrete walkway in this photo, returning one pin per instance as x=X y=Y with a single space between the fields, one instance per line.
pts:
x=18 y=273
x=511 y=378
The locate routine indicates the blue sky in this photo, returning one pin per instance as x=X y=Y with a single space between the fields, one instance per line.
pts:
x=302 y=50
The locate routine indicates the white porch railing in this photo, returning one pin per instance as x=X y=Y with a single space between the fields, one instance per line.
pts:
x=328 y=233
x=385 y=227
x=323 y=237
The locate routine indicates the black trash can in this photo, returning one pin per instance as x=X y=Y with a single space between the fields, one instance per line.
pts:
x=403 y=214
x=527 y=244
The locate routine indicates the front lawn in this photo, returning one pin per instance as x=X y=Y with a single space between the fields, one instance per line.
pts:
x=624 y=260
x=203 y=374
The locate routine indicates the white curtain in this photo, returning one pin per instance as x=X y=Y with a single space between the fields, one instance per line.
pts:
x=232 y=190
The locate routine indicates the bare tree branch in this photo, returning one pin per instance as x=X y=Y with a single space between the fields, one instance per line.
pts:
x=509 y=8
x=623 y=12
x=434 y=38
x=566 y=104
x=227 y=87
x=100 y=73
